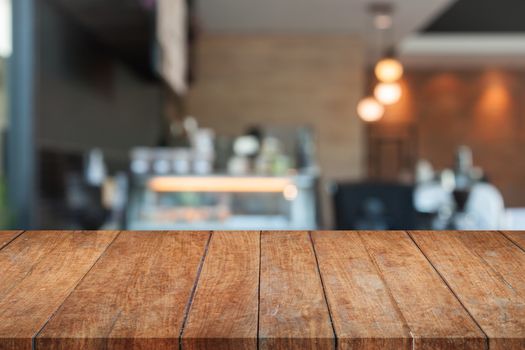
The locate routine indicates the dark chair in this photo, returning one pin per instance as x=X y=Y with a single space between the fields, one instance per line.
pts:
x=374 y=206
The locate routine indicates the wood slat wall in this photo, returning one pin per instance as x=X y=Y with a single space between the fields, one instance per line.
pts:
x=267 y=290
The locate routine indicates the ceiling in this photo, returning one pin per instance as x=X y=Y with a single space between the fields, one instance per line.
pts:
x=426 y=32
x=470 y=33
x=315 y=17
x=481 y=16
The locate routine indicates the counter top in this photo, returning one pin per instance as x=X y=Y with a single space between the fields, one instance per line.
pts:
x=262 y=290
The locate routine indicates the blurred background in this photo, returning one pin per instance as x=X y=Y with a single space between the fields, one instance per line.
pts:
x=277 y=114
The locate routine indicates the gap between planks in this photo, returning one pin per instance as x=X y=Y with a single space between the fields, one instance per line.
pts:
x=187 y=309
x=259 y=291
x=203 y=259
x=33 y=339
x=196 y=283
x=504 y=233
x=16 y=234
x=388 y=289
x=336 y=340
x=450 y=289
x=324 y=290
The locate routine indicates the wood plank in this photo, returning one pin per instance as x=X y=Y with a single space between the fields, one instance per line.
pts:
x=7 y=236
x=134 y=297
x=223 y=314
x=436 y=319
x=293 y=311
x=364 y=314
x=518 y=237
x=39 y=270
x=487 y=273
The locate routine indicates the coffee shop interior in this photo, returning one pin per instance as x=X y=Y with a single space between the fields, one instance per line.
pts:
x=266 y=115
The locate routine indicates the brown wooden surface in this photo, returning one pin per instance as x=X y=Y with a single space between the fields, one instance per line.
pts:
x=134 y=297
x=38 y=271
x=272 y=290
x=7 y=236
x=486 y=272
x=293 y=312
x=518 y=237
x=364 y=314
x=223 y=314
x=435 y=317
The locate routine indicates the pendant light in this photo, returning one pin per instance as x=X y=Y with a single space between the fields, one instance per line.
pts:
x=370 y=110
x=388 y=70
x=388 y=93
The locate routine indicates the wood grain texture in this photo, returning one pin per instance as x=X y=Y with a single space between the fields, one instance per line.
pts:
x=364 y=314
x=518 y=237
x=272 y=290
x=7 y=236
x=293 y=311
x=223 y=314
x=133 y=298
x=39 y=270
x=435 y=317
x=487 y=273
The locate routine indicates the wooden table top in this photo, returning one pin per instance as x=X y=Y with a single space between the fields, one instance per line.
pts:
x=262 y=290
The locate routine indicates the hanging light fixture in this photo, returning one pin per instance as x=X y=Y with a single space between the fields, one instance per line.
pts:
x=383 y=21
x=388 y=70
x=370 y=110
x=387 y=93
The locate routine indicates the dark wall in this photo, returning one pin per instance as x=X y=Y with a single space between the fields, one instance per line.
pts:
x=85 y=96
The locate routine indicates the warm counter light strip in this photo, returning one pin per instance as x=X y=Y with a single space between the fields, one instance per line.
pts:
x=219 y=184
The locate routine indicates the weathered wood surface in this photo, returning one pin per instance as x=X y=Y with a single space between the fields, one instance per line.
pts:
x=38 y=270
x=134 y=297
x=518 y=237
x=269 y=290
x=7 y=236
x=223 y=313
x=436 y=319
x=364 y=313
x=486 y=271
x=293 y=311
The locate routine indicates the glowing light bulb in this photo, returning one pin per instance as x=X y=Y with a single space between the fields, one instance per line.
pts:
x=387 y=93
x=370 y=110
x=388 y=70
x=290 y=192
